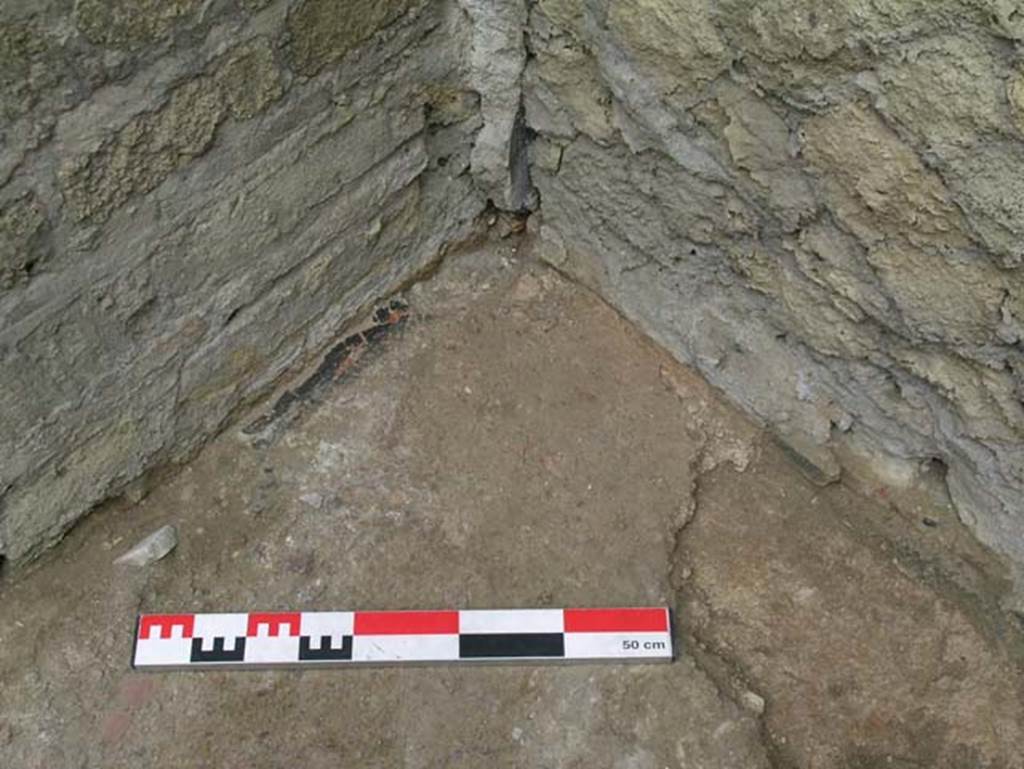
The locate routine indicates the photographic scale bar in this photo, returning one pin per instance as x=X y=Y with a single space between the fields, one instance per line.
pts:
x=268 y=639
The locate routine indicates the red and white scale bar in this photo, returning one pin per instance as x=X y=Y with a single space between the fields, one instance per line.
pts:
x=317 y=638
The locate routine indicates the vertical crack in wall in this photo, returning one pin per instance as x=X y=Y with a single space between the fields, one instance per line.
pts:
x=496 y=61
x=522 y=195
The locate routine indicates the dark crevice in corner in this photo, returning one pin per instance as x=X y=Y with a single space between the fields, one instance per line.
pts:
x=523 y=197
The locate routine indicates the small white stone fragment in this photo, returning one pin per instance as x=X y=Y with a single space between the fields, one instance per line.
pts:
x=152 y=548
x=313 y=500
x=752 y=702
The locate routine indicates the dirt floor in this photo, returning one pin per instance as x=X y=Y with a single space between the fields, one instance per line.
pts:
x=515 y=443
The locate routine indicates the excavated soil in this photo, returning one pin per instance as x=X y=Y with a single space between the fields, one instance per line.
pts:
x=513 y=442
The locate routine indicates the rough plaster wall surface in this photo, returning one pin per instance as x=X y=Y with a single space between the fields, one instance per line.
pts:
x=195 y=197
x=817 y=203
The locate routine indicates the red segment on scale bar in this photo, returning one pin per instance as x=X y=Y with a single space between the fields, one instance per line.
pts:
x=406 y=622
x=616 y=620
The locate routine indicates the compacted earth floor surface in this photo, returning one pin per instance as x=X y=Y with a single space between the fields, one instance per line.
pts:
x=515 y=443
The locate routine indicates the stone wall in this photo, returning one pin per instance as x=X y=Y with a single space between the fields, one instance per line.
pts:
x=817 y=203
x=195 y=197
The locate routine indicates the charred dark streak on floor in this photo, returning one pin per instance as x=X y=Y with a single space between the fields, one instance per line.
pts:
x=340 y=361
